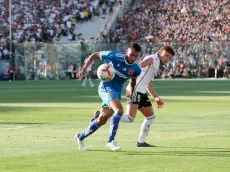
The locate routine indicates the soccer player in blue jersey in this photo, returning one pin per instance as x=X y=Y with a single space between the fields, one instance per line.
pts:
x=110 y=92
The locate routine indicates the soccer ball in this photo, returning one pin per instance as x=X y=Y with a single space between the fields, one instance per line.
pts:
x=106 y=72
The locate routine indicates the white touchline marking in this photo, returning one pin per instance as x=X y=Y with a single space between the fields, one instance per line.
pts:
x=13 y=127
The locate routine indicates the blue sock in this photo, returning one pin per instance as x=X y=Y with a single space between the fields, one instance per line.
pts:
x=93 y=126
x=114 y=123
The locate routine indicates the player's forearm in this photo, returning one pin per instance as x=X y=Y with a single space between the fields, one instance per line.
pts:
x=132 y=85
x=91 y=58
x=151 y=91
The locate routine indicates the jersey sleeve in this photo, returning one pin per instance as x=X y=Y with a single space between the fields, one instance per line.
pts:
x=106 y=55
x=111 y=55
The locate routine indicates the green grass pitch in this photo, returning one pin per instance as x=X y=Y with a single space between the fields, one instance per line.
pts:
x=38 y=120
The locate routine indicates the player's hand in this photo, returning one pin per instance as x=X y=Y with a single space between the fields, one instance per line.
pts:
x=81 y=74
x=159 y=102
x=129 y=93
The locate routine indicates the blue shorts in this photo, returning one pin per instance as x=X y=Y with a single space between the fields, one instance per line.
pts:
x=107 y=94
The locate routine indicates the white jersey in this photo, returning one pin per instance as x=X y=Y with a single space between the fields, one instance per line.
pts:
x=147 y=74
x=89 y=68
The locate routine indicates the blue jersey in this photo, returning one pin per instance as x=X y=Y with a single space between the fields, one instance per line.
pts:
x=124 y=70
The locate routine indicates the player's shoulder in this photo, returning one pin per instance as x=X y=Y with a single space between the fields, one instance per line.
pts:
x=116 y=54
x=137 y=64
x=154 y=56
x=119 y=54
x=105 y=53
x=155 y=59
x=137 y=67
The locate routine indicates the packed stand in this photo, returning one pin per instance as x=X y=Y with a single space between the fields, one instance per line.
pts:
x=174 y=20
x=194 y=59
x=41 y=21
x=38 y=21
x=187 y=25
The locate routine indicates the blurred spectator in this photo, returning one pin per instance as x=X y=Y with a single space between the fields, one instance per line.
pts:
x=103 y=6
x=70 y=71
x=18 y=73
x=74 y=71
x=11 y=73
x=226 y=72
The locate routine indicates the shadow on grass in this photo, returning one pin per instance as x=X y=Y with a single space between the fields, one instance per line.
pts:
x=185 y=153
x=172 y=153
x=194 y=147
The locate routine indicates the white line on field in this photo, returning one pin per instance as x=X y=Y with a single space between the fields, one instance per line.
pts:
x=12 y=127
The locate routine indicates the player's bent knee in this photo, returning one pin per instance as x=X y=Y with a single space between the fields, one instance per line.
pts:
x=102 y=120
x=120 y=111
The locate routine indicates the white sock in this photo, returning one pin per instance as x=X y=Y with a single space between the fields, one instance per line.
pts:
x=84 y=82
x=126 y=118
x=145 y=128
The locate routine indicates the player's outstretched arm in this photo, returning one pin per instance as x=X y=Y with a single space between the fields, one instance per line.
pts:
x=91 y=58
x=153 y=93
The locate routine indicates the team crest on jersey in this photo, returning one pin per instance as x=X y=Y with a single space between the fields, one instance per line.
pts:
x=118 y=65
x=131 y=72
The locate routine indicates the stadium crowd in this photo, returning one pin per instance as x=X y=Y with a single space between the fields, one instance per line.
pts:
x=190 y=22
x=195 y=59
x=174 y=20
x=41 y=21
x=185 y=23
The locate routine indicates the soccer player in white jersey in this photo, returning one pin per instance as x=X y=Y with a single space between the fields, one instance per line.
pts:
x=139 y=100
x=88 y=75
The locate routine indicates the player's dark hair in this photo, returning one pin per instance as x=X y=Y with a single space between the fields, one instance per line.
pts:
x=135 y=46
x=168 y=49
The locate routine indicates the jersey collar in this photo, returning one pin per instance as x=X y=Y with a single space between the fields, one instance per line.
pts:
x=127 y=62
